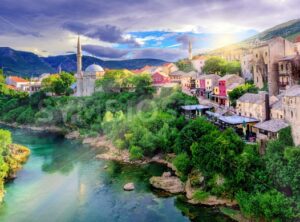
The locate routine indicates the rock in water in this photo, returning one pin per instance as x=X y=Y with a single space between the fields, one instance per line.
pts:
x=73 y=135
x=129 y=187
x=166 y=174
x=170 y=184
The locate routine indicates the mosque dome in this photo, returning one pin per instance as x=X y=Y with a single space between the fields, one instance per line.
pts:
x=94 y=68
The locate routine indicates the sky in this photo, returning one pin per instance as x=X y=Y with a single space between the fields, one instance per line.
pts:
x=128 y=29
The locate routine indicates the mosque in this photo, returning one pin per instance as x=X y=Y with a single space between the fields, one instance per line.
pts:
x=85 y=85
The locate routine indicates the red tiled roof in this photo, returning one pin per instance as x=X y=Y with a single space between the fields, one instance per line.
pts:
x=161 y=73
x=11 y=87
x=297 y=39
x=17 y=79
x=168 y=64
x=146 y=67
x=137 y=71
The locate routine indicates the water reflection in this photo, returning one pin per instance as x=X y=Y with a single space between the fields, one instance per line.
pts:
x=62 y=181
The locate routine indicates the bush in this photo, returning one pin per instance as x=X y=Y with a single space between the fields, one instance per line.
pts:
x=27 y=116
x=269 y=206
x=200 y=195
x=136 y=153
x=182 y=163
x=285 y=136
x=12 y=115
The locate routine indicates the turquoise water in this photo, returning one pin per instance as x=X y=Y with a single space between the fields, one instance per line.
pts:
x=62 y=181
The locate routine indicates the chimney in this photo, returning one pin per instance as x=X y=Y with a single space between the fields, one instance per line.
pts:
x=267 y=106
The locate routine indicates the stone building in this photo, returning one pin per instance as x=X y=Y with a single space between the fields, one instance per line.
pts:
x=198 y=63
x=265 y=62
x=205 y=84
x=226 y=84
x=247 y=66
x=289 y=71
x=291 y=110
x=268 y=130
x=169 y=68
x=276 y=108
x=176 y=76
x=253 y=106
x=85 y=84
x=188 y=81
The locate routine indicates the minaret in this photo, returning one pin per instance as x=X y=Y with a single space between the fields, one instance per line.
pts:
x=59 y=69
x=190 y=51
x=79 y=56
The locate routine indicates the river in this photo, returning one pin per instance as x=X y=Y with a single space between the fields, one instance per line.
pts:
x=62 y=181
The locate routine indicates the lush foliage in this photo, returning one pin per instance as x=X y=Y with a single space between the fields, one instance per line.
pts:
x=282 y=163
x=183 y=163
x=200 y=195
x=241 y=90
x=217 y=65
x=58 y=84
x=146 y=125
x=214 y=65
x=11 y=157
x=185 y=65
x=269 y=206
x=2 y=78
x=125 y=81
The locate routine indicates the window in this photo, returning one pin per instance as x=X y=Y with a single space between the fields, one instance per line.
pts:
x=281 y=67
x=292 y=114
x=256 y=55
x=266 y=54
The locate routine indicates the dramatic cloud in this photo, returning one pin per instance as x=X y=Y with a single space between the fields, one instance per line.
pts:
x=109 y=23
x=106 y=33
x=7 y=27
x=184 y=40
x=164 y=54
x=105 y=52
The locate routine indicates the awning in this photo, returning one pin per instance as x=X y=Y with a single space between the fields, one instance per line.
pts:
x=195 y=107
x=237 y=120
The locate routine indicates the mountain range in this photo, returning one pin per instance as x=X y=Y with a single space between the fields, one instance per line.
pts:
x=288 y=30
x=28 y=64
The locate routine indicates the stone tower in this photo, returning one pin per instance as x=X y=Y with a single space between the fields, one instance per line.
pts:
x=190 y=51
x=79 y=74
x=79 y=56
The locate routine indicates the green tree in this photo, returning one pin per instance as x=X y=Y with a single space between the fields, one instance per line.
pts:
x=269 y=206
x=233 y=67
x=215 y=65
x=114 y=81
x=185 y=66
x=136 y=153
x=240 y=91
x=142 y=84
x=58 y=84
x=182 y=163
x=191 y=133
x=2 y=77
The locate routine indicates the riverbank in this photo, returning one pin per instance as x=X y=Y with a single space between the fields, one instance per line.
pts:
x=167 y=182
x=50 y=129
x=13 y=162
x=110 y=152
